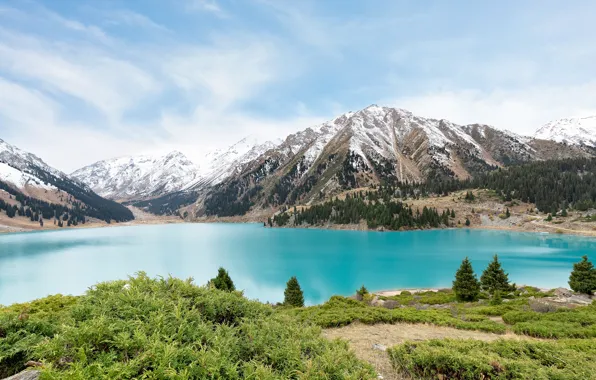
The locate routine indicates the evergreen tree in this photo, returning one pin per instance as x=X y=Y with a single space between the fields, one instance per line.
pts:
x=564 y=213
x=583 y=277
x=453 y=213
x=466 y=285
x=507 y=213
x=293 y=295
x=222 y=281
x=549 y=218
x=360 y=293
x=495 y=279
x=467 y=222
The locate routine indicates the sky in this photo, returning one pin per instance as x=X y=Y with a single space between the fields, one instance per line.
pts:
x=85 y=81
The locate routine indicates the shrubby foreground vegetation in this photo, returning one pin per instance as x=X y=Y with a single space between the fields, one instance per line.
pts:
x=167 y=328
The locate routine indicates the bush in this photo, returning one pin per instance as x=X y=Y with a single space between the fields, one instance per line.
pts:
x=466 y=286
x=583 y=277
x=502 y=359
x=169 y=328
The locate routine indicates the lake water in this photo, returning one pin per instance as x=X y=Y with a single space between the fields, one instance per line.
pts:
x=260 y=260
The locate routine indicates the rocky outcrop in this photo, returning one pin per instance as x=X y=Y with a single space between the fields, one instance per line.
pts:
x=25 y=375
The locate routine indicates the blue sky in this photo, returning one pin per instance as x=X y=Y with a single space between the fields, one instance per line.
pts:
x=83 y=81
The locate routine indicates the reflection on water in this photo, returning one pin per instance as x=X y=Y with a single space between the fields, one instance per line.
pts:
x=261 y=260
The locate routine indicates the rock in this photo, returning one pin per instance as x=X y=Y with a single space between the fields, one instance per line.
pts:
x=562 y=292
x=25 y=375
x=580 y=299
x=377 y=302
x=32 y=363
x=379 y=347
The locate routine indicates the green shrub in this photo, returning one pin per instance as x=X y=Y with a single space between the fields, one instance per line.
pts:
x=340 y=311
x=169 y=328
x=502 y=359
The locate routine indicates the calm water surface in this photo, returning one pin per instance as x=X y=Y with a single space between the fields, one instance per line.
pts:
x=261 y=260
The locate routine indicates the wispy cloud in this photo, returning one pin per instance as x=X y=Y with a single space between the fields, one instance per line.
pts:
x=210 y=6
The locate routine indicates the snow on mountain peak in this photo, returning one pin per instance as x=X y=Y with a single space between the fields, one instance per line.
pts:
x=574 y=131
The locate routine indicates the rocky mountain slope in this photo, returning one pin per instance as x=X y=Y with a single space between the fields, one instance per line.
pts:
x=26 y=180
x=135 y=178
x=573 y=131
x=368 y=147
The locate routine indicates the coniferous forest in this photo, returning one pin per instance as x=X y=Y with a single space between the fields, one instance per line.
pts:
x=391 y=215
x=37 y=210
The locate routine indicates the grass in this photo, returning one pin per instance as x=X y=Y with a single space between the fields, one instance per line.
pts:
x=501 y=359
x=167 y=328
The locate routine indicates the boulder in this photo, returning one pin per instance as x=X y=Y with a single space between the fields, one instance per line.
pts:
x=25 y=375
x=562 y=292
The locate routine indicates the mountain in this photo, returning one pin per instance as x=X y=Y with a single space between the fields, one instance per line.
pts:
x=369 y=147
x=573 y=131
x=139 y=176
x=26 y=180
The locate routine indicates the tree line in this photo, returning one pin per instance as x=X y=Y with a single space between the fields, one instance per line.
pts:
x=389 y=214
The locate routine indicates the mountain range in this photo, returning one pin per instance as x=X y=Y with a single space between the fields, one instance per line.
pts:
x=357 y=149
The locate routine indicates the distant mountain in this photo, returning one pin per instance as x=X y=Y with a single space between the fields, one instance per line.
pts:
x=26 y=181
x=137 y=177
x=573 y=131
x=373 y=146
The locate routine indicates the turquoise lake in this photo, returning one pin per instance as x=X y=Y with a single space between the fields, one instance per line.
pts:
x=260 y=260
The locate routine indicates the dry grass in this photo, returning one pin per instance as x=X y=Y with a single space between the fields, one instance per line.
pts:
x=362 y=338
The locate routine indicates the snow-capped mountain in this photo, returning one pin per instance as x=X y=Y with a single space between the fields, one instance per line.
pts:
x=149 y=176
x=574 y=131
x=24 y=174
x=220 y=164
x=139 y=176
x=372 y=146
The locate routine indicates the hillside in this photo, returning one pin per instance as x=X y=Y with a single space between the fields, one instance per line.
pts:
x=32 y=190
x=573 y=131
x=377 y=145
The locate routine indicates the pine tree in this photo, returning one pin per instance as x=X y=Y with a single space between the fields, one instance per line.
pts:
x=495 y=279
x=549 y=218
x=466 y=285
x=293 y=295
x=360 y=293
x=564 y=213
x=453 y=213
x=467 y=222
x=507 y=213
x=223 y=281
x=583 y=277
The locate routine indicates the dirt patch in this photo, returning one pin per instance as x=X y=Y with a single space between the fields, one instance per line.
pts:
x=369 y=341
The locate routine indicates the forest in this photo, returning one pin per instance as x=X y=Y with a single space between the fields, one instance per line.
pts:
x=391 y=215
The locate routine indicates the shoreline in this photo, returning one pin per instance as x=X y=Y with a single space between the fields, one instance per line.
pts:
x=4 y=229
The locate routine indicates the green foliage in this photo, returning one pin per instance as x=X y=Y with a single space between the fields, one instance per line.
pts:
x=388 y=214
x=223 y=281
x=172 y=329
x=467 y=222
x=549 y=218
x=495 y=279
x=466 y=285
x=496 y=298
x=583 y=277
x=470 y=196
x=362 y=292
x=24 y=326
x=424 y=298
x=293 y=295
x=502 y=359
x=507 y=213
x=341 y=311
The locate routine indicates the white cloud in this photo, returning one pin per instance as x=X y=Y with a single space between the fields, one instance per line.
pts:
x=522 y=110
x=109 y=84
x=210 y=6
